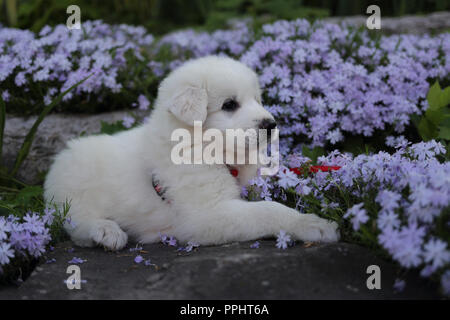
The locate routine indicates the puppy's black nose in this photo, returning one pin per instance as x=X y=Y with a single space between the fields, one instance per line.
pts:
x=267 y=124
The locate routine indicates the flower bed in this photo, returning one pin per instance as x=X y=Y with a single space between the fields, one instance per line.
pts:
x=24 y=239
x=329 y=86
x=34 y=69
x=325 y=83
x=398 y=203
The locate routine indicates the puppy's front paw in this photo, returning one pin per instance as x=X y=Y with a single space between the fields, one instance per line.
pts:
x=108 y=234
x=315 y=229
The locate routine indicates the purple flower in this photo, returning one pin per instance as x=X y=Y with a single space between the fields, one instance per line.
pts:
x=388 y=220
x=138 y=259
x=283 y=240
x=168 y=240
x=70 y=222
x=6 y=252
x=399 y=285
x=358 y=214
x=163 y=237
x=255 y=245
x=143 y=102
x=266 y=195
x=244 y=192
x=5 y=95
x=48 y=216
x=191 y=245
x=76 y=260
x=128 y=121
x=4 y=228
x=436 y=253
x=172 y=242
x=287 y=178
x=137 y=248
x=148 y=263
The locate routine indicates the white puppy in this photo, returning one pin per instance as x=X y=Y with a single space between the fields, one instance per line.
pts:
x=110 y=180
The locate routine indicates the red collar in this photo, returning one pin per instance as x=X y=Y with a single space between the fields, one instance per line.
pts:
x=233 y=171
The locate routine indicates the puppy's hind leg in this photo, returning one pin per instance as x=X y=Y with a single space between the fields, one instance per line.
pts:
x=106 y=233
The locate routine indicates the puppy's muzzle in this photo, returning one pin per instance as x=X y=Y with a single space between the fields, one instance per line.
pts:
x=268 y=124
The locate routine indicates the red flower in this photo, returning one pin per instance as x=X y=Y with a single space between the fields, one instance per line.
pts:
x=315 y=169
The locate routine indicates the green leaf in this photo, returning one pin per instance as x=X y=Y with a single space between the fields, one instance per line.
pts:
x=445 y=118
x=313 y=154
x=415 y=118
x=2 y=124
x=26 y=146
x=433 y=96
x=438 y=98
x=427 y=129
x=434 y=115
x=444 y=98
x=26 y=195
x=444 y=133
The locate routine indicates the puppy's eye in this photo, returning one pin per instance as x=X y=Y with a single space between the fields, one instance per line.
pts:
x=230 y=105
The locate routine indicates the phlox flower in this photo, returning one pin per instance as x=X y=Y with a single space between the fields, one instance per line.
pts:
x=138 y=259
x=435 y=252
x=358 y=215
x=76 y=260
x=399 y=285
x=283 y=240
x=6 y=253
x=255 y=245
x=287 y=178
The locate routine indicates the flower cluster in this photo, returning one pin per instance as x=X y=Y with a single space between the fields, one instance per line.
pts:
x=26 y=237
x=172 y=242
x=57 y=58
x=397 y=201
x=187 y=44
x=324 y=81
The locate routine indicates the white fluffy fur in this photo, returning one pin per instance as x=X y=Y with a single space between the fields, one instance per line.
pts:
x=107 y=179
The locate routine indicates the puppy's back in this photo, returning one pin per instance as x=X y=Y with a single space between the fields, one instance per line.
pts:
x=78 y=167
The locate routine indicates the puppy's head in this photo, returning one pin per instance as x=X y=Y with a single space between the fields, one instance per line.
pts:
x=221 y=92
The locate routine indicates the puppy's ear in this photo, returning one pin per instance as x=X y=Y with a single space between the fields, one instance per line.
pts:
x=189 y=105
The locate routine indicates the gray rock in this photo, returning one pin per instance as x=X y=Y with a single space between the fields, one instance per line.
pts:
x=434 y=22
x=320 y=271
x=51 y=137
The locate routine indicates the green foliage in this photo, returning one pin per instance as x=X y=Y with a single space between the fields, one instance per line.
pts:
x=435 y=123
x=313 y=154
x=262 y=11
x=111 y=128
x=25 y=198
x=2 y=124
x=162 y=16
